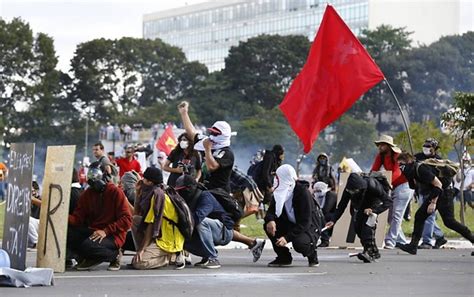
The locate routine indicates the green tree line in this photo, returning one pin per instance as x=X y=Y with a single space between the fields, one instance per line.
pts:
x=132 y=80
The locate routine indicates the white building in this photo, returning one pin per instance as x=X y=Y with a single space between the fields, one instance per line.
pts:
x=206 y=31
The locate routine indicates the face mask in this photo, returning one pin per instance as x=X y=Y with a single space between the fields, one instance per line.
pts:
x=183 y=144
x=319 y=195
x=427 y=151
x=323 y=162
x=97 y=185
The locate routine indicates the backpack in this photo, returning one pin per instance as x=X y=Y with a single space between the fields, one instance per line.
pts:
x=185 y=222
x=230 y=205
x=445 y=170
x=255 y=170
x=381 y=178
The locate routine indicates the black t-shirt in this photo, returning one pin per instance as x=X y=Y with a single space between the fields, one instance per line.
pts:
x=221 y=177
x=424 y=175
x=192 y=163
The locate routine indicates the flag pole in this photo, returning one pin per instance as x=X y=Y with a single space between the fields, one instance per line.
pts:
x=401 y=112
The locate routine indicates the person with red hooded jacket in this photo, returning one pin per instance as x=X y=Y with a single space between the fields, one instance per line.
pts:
x=99 y=223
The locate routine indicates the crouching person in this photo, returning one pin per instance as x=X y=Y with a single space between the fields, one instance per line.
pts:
x=289 y=219
x=369 y=196
x=99 y=224
x=212 y=225
x=155 y=232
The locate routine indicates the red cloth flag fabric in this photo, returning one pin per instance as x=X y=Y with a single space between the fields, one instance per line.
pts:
x=337 y=72
x=167 y=141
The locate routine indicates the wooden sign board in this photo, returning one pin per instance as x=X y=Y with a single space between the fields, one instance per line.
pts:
x=17 y=211
x=55 y=207
x=344 y=234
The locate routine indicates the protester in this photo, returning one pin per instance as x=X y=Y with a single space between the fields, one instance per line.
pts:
x=431 y=228
x=156 y=234
x=33 y=224
x=323 y=172
x=128 y=183
x=219 y=158
x=213 y=225
x=401 y=192
x=162 y=157
x=369 y=197
x=264 y=171
x=99 y=224
x=289 y=219
x=468 y=183
x=183 y=159
x=129 y=162
x=107 y=167
x=327 y=201
x=439 y=196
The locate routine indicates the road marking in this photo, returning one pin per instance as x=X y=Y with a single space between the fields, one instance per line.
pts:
x=187 y=275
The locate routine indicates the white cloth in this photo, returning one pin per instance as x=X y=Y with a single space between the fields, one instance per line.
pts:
x=320 y=189
x=218 y=142
x=141 y=158
x=33 y=228
x=284 y=185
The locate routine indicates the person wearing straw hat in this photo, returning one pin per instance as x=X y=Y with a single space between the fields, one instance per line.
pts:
x=401 y=193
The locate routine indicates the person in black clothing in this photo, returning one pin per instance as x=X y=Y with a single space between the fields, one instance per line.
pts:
x=369 y=197
x=219 y=158
x=431 y=228
x=430 y=150
x=323 y=172
x=289 y=219
x=327 y=201
x=265 y=171
x=213 y=225
x=183 y=159
x=440 y=197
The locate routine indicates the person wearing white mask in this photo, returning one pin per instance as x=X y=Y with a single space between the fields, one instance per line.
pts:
x=219 y=158
x=289 y=219
x=183 y=159
x=326 y=200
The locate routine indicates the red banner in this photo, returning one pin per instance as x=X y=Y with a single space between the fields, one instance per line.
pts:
x=167 y=141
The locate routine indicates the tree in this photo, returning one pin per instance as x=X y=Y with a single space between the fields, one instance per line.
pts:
x=387 y=46
x=262 y=68
x=114 y=78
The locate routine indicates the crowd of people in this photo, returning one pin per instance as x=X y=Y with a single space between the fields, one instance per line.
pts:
x=193 y=200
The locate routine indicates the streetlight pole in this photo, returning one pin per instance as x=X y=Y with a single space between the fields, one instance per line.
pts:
x=87 y=136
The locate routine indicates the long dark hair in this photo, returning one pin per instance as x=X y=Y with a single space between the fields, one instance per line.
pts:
x=190 y=151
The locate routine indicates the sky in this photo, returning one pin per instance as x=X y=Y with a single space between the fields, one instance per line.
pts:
x=70 y=22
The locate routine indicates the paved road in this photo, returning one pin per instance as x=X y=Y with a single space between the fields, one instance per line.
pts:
x=431 y=273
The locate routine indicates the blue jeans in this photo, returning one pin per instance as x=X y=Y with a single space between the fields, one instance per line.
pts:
x=431 y=227
x=207 y=235
x=401 y=196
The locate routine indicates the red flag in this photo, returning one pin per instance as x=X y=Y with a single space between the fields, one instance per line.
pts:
x=337 y=72
x=167 y=141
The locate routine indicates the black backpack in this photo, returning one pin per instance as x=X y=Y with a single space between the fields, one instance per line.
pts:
x=185 y=222
x=255 y=170
x=230 y=205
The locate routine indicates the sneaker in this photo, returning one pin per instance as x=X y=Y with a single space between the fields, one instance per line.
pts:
x=440 y=242
x=202 y=262
x=280 y=263
x=257 y=249
x=88 y=264
x=411 y=249
x=212 y=264
x=425 y=246
x=187 y=258
x=115 y=265
x=324 y=244
x=180 y=262
x=364 y=257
